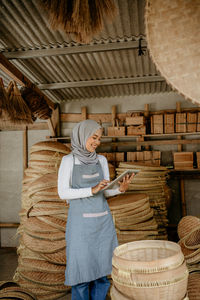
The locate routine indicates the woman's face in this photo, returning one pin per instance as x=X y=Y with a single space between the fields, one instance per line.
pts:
x=94 y=141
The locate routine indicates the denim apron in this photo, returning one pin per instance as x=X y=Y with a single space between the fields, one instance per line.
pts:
x=90 y=232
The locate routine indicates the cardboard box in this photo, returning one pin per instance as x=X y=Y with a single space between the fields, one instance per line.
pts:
x=157 y=124
x=168 y=123
x=180 y=122
x=191 y=122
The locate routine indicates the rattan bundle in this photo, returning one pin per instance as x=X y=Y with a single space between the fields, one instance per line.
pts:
x=150 y=270
x=177 y=62
x=133 y=217
x=194 y=286
x=36 y=103
x=11 y=290
x=152 y=181
x=189 y=234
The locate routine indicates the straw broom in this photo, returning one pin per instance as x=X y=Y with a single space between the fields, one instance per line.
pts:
x=18 y=110
x=82 y=18
x=3 y=98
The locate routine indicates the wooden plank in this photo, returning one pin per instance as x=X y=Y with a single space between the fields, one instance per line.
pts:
x=17 y=75
x=84 y=113
x=9 y=225
x=51 y=127
x=56 y=120
x=25 y=149
x=16 y=127
x=183 y=200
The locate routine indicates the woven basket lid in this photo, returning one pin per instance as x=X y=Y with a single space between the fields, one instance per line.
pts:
x=39 y=265
x=15 y=295
x=33 y=224
x=57 y=257
x=50 y=145
x=186 y=225
x=129 y=200
x=43 y=278
x=21 y=290
x=57 y=223
x=146 y=225
x=41 y=290
x=116 y=295
x=42 y=246
x=49 y=236
x=172 y=31
x=194 y=286
x=47 y=155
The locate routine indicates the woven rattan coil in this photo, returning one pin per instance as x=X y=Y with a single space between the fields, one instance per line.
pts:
x=47 y=211
x=49 y=236
x=5 y=284
x=130 y=201
x=147 y=225
x=177 y=63
x=15 y=295
x=49 y=145
x=194 y=286
x=42 y=246
x=42 y=290
x=186 y=225
x=33 y=224
x=43 y=278
x=47 y=155
x=116 y=295
x=127 y=222
x=57 y=223
x=21 y=290
x=57 y=257
x=28 y=264
x=192 y=256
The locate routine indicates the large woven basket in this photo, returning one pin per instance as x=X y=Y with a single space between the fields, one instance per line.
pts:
x=194 y=286
x=177 y=55
x=150 y=270
x=51 y=146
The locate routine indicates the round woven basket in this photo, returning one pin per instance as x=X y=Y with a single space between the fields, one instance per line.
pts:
x=12 y=290
x=194 y=286
x=116 y=295
x=186 y=225
x=58 y=257
x=176 y=55
x=150 y=270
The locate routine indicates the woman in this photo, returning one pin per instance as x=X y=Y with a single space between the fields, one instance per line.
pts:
x=90 y=232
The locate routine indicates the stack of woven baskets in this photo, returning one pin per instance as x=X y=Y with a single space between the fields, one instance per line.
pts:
x=133 y=217
x=151 y=180
x=189 y=234
x=146 y=270
x=42 y=259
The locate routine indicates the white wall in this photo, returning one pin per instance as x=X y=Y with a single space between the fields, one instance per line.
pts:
x=11 y=155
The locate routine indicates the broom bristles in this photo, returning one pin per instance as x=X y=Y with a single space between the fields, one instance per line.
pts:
x=3 y=98
x=18 y=111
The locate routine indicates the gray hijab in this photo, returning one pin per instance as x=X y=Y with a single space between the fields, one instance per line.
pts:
x=81 y=132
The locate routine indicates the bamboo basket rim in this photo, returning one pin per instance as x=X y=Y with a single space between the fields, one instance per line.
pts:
x=15 y=295
x=33 y=224
x=155 y=265
x=57 y=258
x=52 y=222
x=50 y=236
x=39 y=265
x=42 y=278
x=20 y=289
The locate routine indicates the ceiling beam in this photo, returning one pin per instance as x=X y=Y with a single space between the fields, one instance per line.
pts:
x=100 y=82
x=74 y=50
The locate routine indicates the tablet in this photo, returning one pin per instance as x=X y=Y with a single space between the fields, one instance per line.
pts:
x=115 y=181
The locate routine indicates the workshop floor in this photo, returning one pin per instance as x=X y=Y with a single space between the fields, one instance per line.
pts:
x=8 y=265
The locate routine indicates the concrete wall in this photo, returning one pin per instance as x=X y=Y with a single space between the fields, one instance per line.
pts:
x=11 y=155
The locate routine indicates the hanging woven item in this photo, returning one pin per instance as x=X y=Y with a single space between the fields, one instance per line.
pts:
x=3 y=98
x=82 y=18
x=172 y=31
x=37 y=104
x=17 y=108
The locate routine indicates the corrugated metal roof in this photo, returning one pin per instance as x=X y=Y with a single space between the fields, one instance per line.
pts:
x=24 y=31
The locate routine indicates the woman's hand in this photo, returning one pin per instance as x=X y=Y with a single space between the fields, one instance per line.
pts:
x=102 y=184
x=123 y=185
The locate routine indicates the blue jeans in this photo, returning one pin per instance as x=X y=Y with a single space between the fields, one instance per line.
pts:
x=94 y=290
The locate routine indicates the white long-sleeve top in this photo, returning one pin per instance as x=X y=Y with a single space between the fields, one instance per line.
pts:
x=65 y=179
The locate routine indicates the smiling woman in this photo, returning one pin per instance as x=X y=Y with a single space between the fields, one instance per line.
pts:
x=90 y=232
